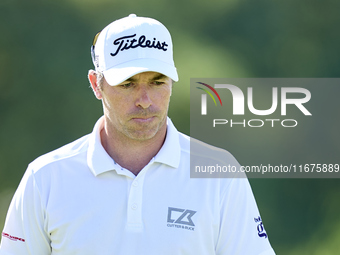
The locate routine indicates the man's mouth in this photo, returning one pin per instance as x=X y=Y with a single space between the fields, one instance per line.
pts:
x=143 y=119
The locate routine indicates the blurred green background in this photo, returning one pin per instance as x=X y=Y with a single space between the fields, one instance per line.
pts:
x=45 y=99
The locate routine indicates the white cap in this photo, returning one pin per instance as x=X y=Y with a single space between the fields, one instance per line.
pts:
x=133 y=45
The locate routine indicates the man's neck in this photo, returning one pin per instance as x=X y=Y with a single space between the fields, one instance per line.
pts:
x=133 y=155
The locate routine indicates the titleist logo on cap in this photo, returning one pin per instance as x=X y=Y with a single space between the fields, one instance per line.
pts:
x=130 y=42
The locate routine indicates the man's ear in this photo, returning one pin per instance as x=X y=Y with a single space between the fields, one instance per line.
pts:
x=92 y=76
x=172 y=84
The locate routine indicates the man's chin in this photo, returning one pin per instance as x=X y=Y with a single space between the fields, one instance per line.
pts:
x=144 y=131
x=141 y=136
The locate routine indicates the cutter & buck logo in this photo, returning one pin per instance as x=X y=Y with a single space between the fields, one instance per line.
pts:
x=180 y=218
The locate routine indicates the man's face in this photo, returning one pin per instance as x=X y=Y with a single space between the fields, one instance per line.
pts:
x=137 y=108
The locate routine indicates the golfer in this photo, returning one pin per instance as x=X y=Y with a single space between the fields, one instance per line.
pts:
x=125 y=188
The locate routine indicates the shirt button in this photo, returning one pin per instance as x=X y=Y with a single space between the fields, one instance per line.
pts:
x=134 y=206
x=135 y=184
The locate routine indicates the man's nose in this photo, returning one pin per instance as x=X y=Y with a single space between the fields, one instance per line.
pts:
x=143 y=97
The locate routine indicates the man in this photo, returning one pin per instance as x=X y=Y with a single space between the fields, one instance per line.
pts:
x=125 y=188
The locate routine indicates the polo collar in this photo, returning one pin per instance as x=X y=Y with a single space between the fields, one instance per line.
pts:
x=99 y=160
x=170 y=152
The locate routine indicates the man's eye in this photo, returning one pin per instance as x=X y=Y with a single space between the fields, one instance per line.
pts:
x=158 y=82
x=126 y=85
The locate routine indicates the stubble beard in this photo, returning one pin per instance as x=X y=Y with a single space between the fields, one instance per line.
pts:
x=144 y=131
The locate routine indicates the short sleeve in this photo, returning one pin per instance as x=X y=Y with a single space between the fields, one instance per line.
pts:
x=24 y=231
x=241 y=227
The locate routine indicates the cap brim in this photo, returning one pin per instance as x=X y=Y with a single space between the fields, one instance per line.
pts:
x=122 y=72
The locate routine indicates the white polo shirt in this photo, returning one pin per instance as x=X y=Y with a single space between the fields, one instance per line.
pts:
x=77 y=201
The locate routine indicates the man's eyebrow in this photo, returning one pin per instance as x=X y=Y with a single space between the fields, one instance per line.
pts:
x=159 y=77
x=131 y=79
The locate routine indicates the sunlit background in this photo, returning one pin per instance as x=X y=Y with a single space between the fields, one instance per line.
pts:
x=46 y=102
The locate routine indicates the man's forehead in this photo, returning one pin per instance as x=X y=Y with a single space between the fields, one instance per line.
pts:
x=147 y=76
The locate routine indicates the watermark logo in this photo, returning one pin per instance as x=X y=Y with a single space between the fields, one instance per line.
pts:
x=204 y=97
x=240 y=101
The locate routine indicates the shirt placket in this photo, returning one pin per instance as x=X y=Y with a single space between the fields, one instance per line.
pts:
x=135 y=201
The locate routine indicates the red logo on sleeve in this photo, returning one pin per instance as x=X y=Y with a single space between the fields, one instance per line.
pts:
x=13 y=238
